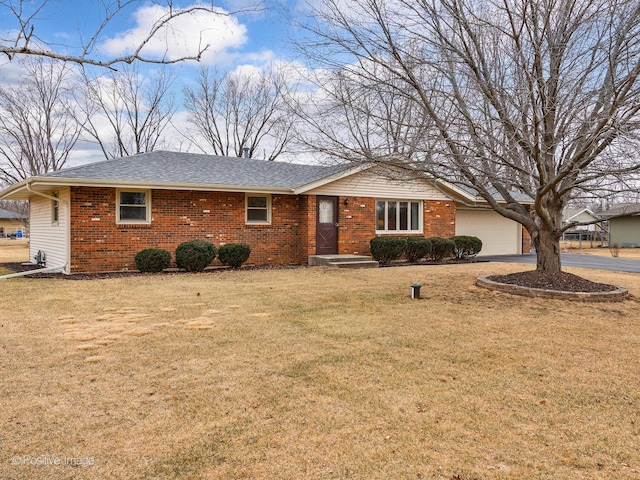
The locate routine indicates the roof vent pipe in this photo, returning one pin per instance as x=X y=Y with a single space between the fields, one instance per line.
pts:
x=246 y=152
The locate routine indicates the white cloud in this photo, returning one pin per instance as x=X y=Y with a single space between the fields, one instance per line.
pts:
x=183 y=37
x=11 y=73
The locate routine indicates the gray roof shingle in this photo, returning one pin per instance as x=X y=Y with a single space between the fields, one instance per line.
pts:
x=6 y=214
x=196 y=169
x=620 y=210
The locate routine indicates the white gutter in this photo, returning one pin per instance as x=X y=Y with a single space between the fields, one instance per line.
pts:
x=67 y=248
x=204 y=187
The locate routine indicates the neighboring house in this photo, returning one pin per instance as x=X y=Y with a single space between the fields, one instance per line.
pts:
x=591 y=228
x=96 y=217
x=11 y=223
x=624 y=224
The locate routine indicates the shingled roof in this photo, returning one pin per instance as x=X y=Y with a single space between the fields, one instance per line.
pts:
x=9 y=215
x=621 y=210
x=179 y=168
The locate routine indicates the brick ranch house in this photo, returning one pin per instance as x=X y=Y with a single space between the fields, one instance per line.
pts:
x=96 y=217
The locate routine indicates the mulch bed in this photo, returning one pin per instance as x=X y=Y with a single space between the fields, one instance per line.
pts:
x=561 y=281
x=18 y=267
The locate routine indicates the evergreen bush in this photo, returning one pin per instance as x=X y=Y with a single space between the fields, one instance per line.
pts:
x=387 y=249
x=416 y=248
x=152 y=260
x=466 y=246
x=234 y=254
x=194 y=256
x=441 y=248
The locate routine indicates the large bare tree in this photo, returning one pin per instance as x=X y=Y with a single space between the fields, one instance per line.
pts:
x=512 y=98
x=356 y=119
x=38 y=128
x=24 y=36
x=127 y=112
x=231 y=112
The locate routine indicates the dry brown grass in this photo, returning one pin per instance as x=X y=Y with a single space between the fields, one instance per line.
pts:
x=628 y=253
x=14 y=250
x=574 y=247
x=317 y=374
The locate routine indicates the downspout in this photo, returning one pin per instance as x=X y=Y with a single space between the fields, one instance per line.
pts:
x=67 y=246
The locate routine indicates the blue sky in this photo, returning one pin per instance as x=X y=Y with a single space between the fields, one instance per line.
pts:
x=259 y=31
x=257 y=35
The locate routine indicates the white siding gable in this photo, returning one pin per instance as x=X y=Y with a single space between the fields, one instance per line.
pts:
x=368 y=184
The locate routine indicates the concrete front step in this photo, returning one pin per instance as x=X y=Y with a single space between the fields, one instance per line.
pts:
x=343 y=261
x=360 y=264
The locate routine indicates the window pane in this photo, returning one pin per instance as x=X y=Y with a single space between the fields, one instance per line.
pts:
x=415 y=216
x=132 y=198
x=256 y=215
x=133 y=213
x=380 y=215
x=404 y=216
x=391 y=216
x=325 y=209
x=257 y=202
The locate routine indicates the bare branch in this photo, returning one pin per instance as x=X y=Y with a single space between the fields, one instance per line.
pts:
x=38 y=128
x=233 y=112
x=25 y=41
x=127 y=113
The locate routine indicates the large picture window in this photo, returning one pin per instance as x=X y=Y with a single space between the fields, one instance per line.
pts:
x=398 y=216
x=258 y=209
x=133 y=206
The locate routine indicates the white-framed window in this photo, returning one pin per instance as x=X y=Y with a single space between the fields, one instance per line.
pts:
x=398 y=216
x=258 y=208
x=133 y=206
x=55 y=209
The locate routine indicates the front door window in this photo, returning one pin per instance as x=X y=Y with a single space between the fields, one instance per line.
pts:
x=326 y=211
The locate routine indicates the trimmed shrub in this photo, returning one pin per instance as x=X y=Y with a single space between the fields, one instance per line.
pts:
x=387 y=249
x=153 y=260
x=466 y=246
x=194 y=256
x=416 y=248
x=234 y=254
x=441 y=248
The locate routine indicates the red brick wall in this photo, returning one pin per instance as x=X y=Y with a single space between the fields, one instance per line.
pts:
x=358 y=223
x=526 y=241
x=439 y=218
x=308 y=225
x=99 y=244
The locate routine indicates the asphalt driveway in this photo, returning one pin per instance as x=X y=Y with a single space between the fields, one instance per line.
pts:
x=573 y=260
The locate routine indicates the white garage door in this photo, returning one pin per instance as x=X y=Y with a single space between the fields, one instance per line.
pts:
x=499 y=235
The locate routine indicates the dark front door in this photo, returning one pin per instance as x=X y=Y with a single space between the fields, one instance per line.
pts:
x=327 y=226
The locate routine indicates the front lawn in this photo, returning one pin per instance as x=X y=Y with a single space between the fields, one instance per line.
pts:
x=14 y=250
x=316 y=373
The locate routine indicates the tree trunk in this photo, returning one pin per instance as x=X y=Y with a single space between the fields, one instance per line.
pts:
x=547 y=245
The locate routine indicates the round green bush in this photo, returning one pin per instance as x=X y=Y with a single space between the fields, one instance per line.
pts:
x=387 y=249
x=234 y=254
x=194 y=256
x=466 y=246
x=416 y=248
x=441 y=248
x=152 y=260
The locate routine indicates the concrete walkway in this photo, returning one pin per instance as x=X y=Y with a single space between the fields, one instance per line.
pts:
x=573 y=260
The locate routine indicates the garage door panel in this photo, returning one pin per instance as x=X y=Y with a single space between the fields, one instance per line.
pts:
x=499 y=235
